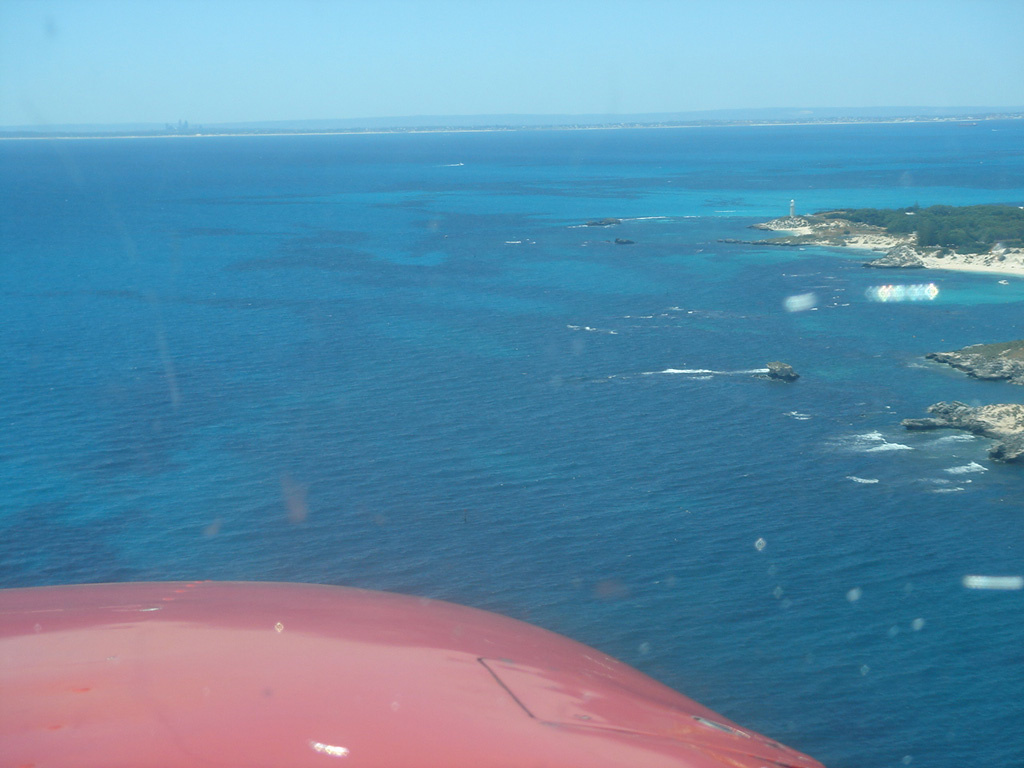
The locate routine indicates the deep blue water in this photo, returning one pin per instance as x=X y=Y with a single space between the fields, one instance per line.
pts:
x=399 y=362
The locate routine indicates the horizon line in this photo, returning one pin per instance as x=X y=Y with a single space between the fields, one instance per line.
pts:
x=521 y=120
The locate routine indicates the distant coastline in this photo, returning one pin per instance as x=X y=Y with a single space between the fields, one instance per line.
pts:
x=21 y=133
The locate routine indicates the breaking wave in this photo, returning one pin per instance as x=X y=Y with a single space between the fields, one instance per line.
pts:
x=592 y=330
x=871 y=442
x=966 y=469
x=959 y=438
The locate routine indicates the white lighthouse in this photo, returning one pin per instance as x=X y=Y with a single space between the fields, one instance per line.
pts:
x=792 y=208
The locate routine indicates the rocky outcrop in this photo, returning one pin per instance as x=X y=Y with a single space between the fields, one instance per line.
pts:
x=603 y=222
x=1009 y=450
x=785 y=224
x=624 y=241
x=995 y=362
x=900 y=257
x=828 y=231
x=1004 y=422
x=781 y=371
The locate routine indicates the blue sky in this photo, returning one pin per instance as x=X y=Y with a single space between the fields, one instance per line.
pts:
x=219 y=61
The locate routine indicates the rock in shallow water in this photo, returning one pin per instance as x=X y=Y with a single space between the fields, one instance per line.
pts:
x=781 y=371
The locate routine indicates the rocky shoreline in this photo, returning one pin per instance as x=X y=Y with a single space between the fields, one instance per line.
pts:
x=899 y=251
x=1003 y=421
x=991 y=362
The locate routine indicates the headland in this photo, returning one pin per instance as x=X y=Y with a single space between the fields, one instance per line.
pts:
x=1003 y=361
x=1004 y=422
x=978 y=238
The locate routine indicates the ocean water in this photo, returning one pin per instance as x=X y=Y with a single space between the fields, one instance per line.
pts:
x=401 y=362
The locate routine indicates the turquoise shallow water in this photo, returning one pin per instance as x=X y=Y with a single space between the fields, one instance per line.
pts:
x=400 y=362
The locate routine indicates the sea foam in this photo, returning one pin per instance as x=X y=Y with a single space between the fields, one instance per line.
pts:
x=967 y=469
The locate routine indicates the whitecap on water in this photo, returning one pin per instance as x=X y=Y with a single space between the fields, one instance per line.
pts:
x=886 y=446
x=865 y=480
x=966 y=469
x=797 y=415
x=959 y=438
x=871 y=442
x=592 y=330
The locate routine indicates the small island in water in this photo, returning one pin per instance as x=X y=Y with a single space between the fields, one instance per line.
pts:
x=975 y=238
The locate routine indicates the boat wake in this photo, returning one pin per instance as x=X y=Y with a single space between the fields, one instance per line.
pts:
x=704 y=372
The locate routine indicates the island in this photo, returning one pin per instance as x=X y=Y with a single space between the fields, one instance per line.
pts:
x=781 y=371
x=975 y=238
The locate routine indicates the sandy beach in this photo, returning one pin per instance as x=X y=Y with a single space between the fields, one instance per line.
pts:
x=1010 y=262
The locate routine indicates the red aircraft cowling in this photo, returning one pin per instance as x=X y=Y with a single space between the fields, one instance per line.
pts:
x=158 y=675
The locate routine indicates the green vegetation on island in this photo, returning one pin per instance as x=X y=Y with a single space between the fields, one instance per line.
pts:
x=966 y=229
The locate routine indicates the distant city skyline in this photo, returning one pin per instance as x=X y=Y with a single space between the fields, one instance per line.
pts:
x=112 y=62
